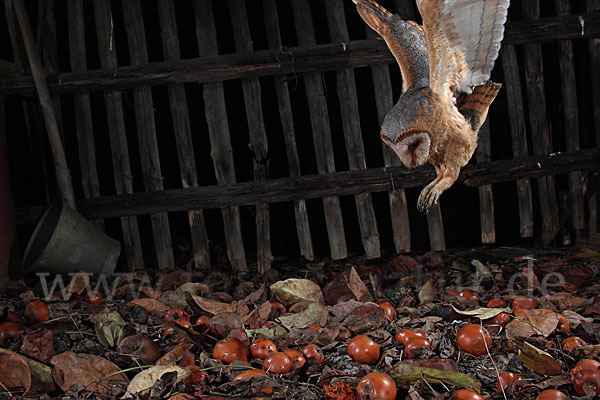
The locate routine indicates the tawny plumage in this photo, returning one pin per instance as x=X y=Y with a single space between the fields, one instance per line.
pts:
x=445 y=65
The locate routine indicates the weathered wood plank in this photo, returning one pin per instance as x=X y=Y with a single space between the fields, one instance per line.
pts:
x=83 y=111
x=146 y=129
x=346 y=90
x=540 y=131
x=571 y=116
x=183 y=133
x=319 y=117
x=309 y=59
x=322 y=185
x=594 y=51
x=258 y=136
x=518 y=130
x=218 y=128
x=118 y=136
x=486 y=192
x=49 y=52
x=289 y=132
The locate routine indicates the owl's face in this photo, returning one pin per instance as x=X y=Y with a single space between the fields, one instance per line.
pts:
x=412 y=149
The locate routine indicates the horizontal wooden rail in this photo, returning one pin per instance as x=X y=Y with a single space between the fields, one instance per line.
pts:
x=318 y=186
x=295 y=60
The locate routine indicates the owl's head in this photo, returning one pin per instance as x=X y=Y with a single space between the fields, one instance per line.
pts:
x=412 y=148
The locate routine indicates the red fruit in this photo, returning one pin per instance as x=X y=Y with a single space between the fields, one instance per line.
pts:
x=37 y=311
x=278 y=363
x=376 y=386
x=95 y=298
x=277 y=308
x=9 y=331
x=262 y=348
x=202 y=321
x=500 y=319
x=241 y=335
x=563 y=324
x=405 y=335
x=390 y=311
x=469 y=294
x=497 y=303
x=474 y=339
x=178 y=316
x=525 y=303
x=138 y=347
x=297 y=357
x=363 y=349
x=313 y=352
x=344 y=334
x=552 y=394
x=466 y=395
x=229 y=349
x=198 y=376
x=249 y=373
x=411 y=348
x=313 y=326
x=586 y=377
x=507 y=379
x=572 y=343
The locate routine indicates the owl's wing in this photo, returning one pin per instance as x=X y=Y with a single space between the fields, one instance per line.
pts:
x=463 y=39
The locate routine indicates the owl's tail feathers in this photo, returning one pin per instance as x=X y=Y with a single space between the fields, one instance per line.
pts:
x=377 y=17
x=474 y=107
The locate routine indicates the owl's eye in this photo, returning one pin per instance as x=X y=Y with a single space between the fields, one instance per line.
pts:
x=413 y=149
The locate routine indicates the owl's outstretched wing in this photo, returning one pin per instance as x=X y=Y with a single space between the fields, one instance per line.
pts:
x=463 y=39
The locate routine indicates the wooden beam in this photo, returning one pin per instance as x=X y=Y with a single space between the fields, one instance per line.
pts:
x=486 y=192
x=318 y=186
x=298 y=60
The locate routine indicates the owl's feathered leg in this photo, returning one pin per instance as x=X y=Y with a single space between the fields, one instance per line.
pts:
x=430 y=195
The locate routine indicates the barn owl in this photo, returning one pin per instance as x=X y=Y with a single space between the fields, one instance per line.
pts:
x=446 y=94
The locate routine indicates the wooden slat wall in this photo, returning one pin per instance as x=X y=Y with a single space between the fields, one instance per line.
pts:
x=118 y=136
x=329 y=184
x=183 y=132
x=594 y=49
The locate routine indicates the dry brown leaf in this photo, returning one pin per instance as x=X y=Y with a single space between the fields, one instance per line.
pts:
x=173 y=279
x=154 y=307
x=85 y=372
x=41 y=374
x=39 y=345
x=428 y=293
x=174 y=355
x=213 y=307
x=258 y=317
x=358 y=287
x=151 y=292
x=315 y=313
x=78 y=284
x=575 y=319
x=109 y=326
x=295 y=290
x=14 y=372
x=258 y=295
x=538 y=360
x=144 y=381
x=532 y=322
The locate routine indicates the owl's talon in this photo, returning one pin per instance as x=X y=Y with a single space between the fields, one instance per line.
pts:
x=427 y=200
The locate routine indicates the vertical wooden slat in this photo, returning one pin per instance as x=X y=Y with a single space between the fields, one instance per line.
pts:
x=512 y=85
x=144 y=117
x=183 y=132
x=218 y=128
x=384 y=102
x=83 y=111
x=117 y=134
x=49 y=49
x=346 y=89
x=540 y=131
x=256 y=128
x=594 y=50
x=321 y=131
x=486 y=192
x=571 y=115
x=435 y=224
x=289 y=132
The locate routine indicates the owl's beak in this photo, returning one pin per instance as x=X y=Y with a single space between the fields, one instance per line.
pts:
x=413 y=150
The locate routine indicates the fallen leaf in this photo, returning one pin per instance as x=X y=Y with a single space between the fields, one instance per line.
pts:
x=85 y=372
x=39 y=345
x=154 y=307
x=585 y=254
x=482 y=313
x=79 y=282
x=405 y=374
x=41 y=374
x=428 y=293
x=259 y=316
x=267 y=333
x=194 y=288
x=532 y=322
x=14 y=372
x=174 y=355
x=315 y=313
x=538 y=360
x=144 y=380
x=258 y=296
x=481 y=270
x=213 y=307
x=437 y=363
x=366 y=318
x=403 y=263
x=575 y=319
x=357 y=287
x=295 y=290
x=173 y=279
x=109 y=327
x=173 y=299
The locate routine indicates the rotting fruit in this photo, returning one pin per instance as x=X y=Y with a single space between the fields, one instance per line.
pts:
x=499 y=319
x=586 y=377
x=9 y=331
x=313 y=352
x=262 y=348
x=390 y=311
x=363 y=349
x=37 y=311
x=138 y=347
x=464 y=394
x=552 y=394
x=278 y=363
x=229 y=349
x=525 y=303
x=178 y=316
x=469 y=294
x=474 y=339
x=411 y=349
x=496 y=303
x=563 y=324
x=376 y=385
x=297 y=357
x=572 y=343
x=506 y=379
